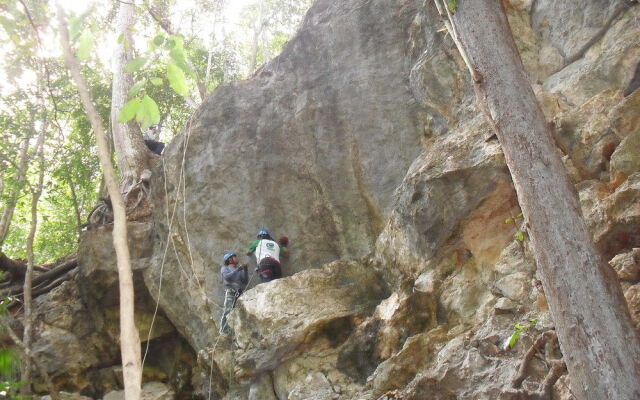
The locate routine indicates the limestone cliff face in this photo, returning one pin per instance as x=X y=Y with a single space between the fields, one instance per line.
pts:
x=362 y=142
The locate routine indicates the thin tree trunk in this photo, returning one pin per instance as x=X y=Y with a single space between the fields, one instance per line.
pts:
x=599 y=342
x=257 y=30
x=21 y=175
x=28 y=317
x=76 y=206
x=131 y=153
x=129 y=337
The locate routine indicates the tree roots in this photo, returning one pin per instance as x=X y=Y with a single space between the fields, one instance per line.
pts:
x=557 y=368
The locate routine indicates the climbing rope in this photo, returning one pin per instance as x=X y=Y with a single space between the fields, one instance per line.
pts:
x=171 y=241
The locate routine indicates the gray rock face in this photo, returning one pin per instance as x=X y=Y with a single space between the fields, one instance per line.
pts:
x=312 y=146
x=572 y=27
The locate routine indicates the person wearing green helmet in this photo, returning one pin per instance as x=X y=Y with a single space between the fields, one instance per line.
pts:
x=234 y=279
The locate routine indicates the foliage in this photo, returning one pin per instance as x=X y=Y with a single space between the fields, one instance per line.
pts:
x=519 y=235
x=9 y=362
x=452 y=5
x=518 y=329
x=172 y=73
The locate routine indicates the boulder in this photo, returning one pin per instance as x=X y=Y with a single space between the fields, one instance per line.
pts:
x=586 y=136
x=278 y=320
x=150 y=391
x=607 y=60
x=572 y=27
x=627 y=265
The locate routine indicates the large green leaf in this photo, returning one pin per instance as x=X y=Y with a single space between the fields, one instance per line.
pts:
x=156 y=81
x=135 y=89
x=178 y=57
x=148 y=113
x=85 y=44
x=177 y=80
x=158 y=40
x=174 y=42
x=129 y=110
x=135 y=64
x=75 y=24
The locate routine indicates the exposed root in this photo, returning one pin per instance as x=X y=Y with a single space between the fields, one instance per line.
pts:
x=44 y=282
x=136 y=200
x=556 y=370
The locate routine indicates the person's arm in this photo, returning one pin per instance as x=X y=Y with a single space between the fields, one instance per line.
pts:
x=253 y=246
x=284 y=252
x=232 y=274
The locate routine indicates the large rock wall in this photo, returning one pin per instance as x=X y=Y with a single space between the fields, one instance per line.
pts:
x=363 y=143
x=312 y=146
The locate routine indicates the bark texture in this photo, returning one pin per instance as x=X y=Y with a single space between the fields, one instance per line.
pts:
x=28 y=318
x=5 y=220
x=600 y=345
x=129 y=337
x=131 y=153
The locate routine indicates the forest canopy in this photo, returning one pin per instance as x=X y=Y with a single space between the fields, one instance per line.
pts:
x=182 y=51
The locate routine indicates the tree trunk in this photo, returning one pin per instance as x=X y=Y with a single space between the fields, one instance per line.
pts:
x=599 y=342
x=131 y=153
x=257 y=30
x=28 y=317
x=76 y=205
x=129 y=337
x=21 y=175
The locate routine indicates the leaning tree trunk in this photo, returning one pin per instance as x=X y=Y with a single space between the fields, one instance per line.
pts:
x=131 y=153
x=129 y=336
x=599 y=342
x=21 y=176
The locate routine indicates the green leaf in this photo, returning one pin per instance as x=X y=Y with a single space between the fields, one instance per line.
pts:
x=508 y=220
x=135 y=64
x=156 y=81
x=519 y=215
x=178 y=56
x=177 y=79
x=452 y=5
x=158 y=40
x=148 y=113
x=129 y=110
x=135 y=89
x=175 y=42
x=85 y=45
x=513 y=339
x=75 y=24
x=518 y=327
x=520 y=236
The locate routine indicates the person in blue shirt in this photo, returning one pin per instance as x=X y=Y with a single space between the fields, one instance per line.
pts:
x=234 y=279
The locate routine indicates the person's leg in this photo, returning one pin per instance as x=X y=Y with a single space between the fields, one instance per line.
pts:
x=154 y=146
x=277 y=270
x=265 y=271
x=229 y=301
